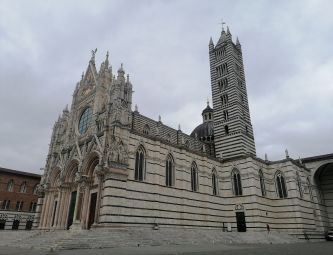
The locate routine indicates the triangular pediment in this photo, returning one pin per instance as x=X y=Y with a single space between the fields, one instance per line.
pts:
x=89 y=81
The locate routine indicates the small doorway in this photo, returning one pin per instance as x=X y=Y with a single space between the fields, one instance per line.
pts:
x=71 y=210
x=28 y=225
x=92 y=209
x=241 y=223
x=2 y=224
x=16 y=224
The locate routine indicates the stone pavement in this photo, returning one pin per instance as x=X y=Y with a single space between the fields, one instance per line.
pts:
x=320 y=248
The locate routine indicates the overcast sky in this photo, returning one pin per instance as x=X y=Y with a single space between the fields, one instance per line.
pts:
x=287 y=51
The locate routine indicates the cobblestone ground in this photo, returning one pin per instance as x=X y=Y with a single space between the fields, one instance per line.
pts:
x=325 y=248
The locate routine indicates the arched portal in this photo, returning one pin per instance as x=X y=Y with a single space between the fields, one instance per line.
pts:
x=323 y=178
x=89 y=197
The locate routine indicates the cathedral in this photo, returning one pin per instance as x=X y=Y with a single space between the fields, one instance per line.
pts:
x=109 y=165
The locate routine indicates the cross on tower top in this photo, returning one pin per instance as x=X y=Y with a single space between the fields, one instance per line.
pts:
x=222 y=23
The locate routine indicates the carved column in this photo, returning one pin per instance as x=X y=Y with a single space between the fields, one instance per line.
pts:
x=45 y=209
x=39 y=207
x=85 y=203
x=64 y=207
x=58 y=211
x=100 y=171
x=81 y=181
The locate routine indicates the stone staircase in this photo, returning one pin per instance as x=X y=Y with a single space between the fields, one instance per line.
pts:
x=135 y=236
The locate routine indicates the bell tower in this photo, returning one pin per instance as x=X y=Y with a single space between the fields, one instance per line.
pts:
x=233 y=131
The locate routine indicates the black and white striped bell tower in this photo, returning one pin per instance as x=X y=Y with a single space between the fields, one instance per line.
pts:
x=232 y=123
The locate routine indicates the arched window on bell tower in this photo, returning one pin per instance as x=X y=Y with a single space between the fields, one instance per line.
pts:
x=169 y=171
x=262 y=183
x=140 y=164
x=236 y=183
x=280 y=185
x=215 y=186
x=194 y=177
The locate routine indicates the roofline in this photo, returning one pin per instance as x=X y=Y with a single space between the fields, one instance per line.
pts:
x=16 y=172
x=317 y=158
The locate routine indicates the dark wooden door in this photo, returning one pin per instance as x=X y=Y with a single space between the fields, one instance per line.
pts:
x=241 y=223
x=28 y=225
x=92 y=209
x=16 y=224
x=2 y=224
x=71 y=210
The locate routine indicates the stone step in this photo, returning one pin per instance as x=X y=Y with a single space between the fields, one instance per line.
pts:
x=131 y=237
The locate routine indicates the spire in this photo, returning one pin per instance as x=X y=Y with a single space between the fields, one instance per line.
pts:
x=121 y=71
x=93 y=53
x=211 y=44
x=107 y=60
x=207 y=102
x=211 y=41
x=228 y=31
x=237 y=41
x=66 y=109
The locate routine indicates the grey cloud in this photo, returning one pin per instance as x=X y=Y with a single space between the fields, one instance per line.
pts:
x=45 y=46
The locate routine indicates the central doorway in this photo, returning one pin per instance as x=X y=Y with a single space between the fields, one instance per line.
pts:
x=71 y=210
x=92 y=209
x=241 y=223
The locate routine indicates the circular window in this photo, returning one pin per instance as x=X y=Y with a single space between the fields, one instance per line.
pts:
x=85 y=120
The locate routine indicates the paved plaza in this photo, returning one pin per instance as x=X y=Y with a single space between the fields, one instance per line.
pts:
x=264 y=249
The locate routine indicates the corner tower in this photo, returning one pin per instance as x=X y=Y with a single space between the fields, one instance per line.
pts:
x=233 y=131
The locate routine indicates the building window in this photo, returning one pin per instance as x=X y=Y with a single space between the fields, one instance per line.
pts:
x=146 y=130
x=226 y=115
x=169 y=171
x=194 y=177
x=85 y=120
x=226 y=129
x=240 y=83
x=310 y=189
x=10 y=186
x=220 y=53
x=32 y=207
x=241 y=98
x=23 y=188
x=262 y=183
x=19 y=205
x=224 y=99
x=238 y=69
x=35 y=189
x=237 y=183
x=140 y=165
x=299 y=185
x=281 y=185
x=6 y=205
x=222 y=69
x=223 y=84
x=215 y=185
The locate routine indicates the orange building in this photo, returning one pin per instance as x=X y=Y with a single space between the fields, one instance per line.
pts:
x=18 y=199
